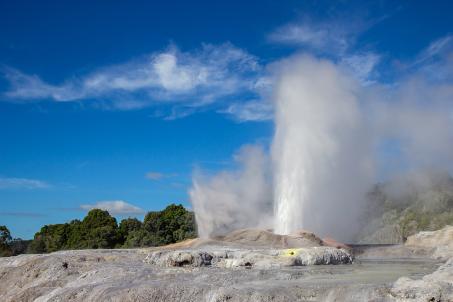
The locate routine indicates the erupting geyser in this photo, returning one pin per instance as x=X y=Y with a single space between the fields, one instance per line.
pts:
x=319 y=150
x=319 y=168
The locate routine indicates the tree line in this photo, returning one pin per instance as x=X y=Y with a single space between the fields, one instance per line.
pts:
x=99 y=230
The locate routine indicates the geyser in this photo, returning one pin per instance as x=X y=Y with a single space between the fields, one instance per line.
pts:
x=329 y=135
x=319 y=151
x=319 y=169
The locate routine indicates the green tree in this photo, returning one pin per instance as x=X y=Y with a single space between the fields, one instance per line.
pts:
x=5 y=235
x=19 y=246
x=50 y=238
x=5 y=239
x=37 y=246
x=139 y=238
x=171 y=225
x=99 y=230
x=75 y=238
x=129 y=227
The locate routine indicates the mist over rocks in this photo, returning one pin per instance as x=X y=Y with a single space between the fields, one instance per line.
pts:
x=440 y=241
x=406 y=205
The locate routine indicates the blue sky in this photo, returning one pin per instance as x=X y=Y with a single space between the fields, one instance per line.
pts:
x=118 y=102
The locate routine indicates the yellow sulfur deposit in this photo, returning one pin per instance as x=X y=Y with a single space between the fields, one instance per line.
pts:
x=290 y=252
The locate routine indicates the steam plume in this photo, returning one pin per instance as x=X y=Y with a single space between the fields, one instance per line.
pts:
x=327 y=149
x=320 y=149
x=234 y=199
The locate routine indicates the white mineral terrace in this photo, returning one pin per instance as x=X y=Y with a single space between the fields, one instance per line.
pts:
x=247 y=265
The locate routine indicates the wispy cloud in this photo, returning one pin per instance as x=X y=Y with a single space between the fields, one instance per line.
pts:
x=435 y=61
x=115 y=207
x=324 y=37
x=362 y=65
x=154 y=175
x=193 y=79
x=22 y=214
x=22 y=183
x=336 y=38
x=434 y=49
x=335 y=31
x=258 y=110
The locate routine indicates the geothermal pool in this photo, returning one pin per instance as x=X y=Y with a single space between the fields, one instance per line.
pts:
x=366 y=271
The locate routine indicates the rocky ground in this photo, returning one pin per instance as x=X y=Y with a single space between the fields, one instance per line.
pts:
x=247 y=265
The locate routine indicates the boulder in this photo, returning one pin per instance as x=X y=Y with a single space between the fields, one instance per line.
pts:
x=440 y=242
x=442 y=237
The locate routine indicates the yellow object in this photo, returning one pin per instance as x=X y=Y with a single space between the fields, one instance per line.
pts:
x=290 y=252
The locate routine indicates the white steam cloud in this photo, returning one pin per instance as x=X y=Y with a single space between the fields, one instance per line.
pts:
x=419 y=117
x=335 y=135
x=320 y=149
x=235 y=199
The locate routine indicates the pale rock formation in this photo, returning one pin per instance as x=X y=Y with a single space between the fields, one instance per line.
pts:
x=440 y=241
x=260 y=258
x=437 y=286
x=248 y=265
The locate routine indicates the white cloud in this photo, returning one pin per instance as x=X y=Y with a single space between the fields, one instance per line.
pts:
x=435 y=61
x=435 y=48
x=115 y=207
x=334 y=34
x=305 y=35
x=22 y=183
x=174 y=77
x=257 y=110
x=299 y=34
x=198 y=78
x=327 y=37
x=154 y=175
x=362 y=65
x=336 y=39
